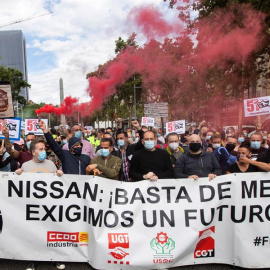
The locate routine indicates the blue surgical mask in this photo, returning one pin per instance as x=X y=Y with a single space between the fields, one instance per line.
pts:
x=121 y=143
x=105 y=152
x=42 y=156
x=28 y=145
x=255 y=145
x=208 y=137
x=265 y=137
x=149 y=145
x=241 y=139
x=64 y=141
x=78 y=134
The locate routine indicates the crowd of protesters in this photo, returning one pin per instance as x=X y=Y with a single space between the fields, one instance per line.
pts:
x=137 y=153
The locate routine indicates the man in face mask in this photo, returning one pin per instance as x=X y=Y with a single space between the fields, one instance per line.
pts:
x=221 y=154
x=106 y=165
x=39 y=164
x=125 y=152
x=197 y=162
x=256 y=145
x=150 y=162
x=73 y=160
x=20 y=156
x=87 y=148
x=174 y=149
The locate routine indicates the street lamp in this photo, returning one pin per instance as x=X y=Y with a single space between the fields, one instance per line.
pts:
x=130 y=103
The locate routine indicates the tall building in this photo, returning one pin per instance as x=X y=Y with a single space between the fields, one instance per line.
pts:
x=13 y=54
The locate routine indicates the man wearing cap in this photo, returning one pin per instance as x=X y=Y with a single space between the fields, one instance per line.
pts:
x=87 y=148
x=73 y=160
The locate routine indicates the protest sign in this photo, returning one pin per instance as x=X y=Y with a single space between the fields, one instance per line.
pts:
x=14 y=128
x=150 y=225
x=176 y=126
x=148 y=121
x=6 y=103
x=257 y=106
x=31 y=126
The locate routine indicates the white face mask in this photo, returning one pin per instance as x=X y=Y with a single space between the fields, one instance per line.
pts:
x=173 y=146
x=216 y=145
x=266 y=146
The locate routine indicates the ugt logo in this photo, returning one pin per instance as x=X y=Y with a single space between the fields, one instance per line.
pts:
x=206 y=244
x=162 y=244
x=118 y=246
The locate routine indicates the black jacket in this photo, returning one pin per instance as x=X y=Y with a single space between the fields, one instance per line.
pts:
x=71 y=164
x=200 y=165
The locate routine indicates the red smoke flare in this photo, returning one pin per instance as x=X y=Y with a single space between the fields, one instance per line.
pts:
x=176 y=69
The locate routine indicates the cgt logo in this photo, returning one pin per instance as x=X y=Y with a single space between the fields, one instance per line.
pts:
x=75 y=237
x=1 y=222
x=206 y=244
x=118 y=242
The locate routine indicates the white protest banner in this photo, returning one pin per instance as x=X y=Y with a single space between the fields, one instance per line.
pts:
x=257 y=106
x=148 y=121
x=176 y=126
x=31 y=126
x=145 y=225
x=6 y=103
x=14 y=128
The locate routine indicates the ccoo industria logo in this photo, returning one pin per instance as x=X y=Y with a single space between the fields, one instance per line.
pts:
x=1 y=222
x=67 y=239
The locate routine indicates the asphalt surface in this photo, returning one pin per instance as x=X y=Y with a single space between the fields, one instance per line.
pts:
x=21 y=265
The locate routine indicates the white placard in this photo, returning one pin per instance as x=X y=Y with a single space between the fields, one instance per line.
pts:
x=14 y=128
x=31 y=126
x=148 y=121
x=176 y=126
x=257 y=106
x=156 y=109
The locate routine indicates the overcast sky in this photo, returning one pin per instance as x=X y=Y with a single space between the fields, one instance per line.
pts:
x=72 y=41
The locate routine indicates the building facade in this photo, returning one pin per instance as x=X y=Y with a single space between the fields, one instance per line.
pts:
x=13 y=54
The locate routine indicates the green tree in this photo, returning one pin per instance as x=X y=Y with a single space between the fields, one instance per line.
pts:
x=15 y=77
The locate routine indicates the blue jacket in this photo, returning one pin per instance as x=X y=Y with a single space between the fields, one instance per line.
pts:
x=71 y=164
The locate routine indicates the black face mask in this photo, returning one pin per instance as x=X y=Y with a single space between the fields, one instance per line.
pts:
x=77 y=151
x=195 y=147
x=230 y=147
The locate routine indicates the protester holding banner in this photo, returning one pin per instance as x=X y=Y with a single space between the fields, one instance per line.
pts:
x=73 y=161
x=105 y=165
x=149 y=162
x=197 y=162
x=87 y=148
x=244 y=154
x=39 y=164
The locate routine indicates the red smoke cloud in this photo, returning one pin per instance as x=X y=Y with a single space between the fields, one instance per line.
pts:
x=174 y=69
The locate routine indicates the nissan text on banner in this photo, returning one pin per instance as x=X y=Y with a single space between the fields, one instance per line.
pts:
x=147 y=225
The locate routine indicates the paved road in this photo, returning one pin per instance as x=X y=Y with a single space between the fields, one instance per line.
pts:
x=21 y=265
